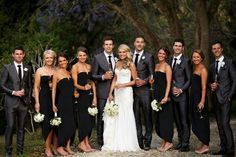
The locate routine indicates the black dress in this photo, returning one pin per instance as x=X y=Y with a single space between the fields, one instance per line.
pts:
x=85 y=121
x=164 y=117
x=45 y=101
x=65 y=102
x=200 y=120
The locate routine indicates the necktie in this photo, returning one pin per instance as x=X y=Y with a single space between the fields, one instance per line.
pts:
x=174 y=63
x=217 y=62
x=110 y=63
x=136 y=59
x=19 y=72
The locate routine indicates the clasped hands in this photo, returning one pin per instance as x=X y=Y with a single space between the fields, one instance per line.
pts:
x=108 y=75
x=139 y=82
x=214 y=86
x=176 y=91
x=19 y=93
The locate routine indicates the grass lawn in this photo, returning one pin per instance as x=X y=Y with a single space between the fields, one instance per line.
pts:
x=34 y=145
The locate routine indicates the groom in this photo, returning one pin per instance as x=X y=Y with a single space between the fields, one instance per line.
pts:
x=102 y=72
x=144 y=63
x=16 y=84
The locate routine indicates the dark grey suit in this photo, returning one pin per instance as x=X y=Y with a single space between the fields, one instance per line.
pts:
x=142 y=99
x=15 y=107
x=99 y=67
x=221 y=101
x=181 y=79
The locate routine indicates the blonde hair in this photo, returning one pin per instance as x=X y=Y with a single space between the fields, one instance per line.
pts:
x=50 y=52
x=129 y=59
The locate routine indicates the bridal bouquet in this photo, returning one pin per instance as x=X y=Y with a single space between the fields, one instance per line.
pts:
x=56 y=121
x=92 y=110
x=38 y=117
x=156 y=106
x=111 y=109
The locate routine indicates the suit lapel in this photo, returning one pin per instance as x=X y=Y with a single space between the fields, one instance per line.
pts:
x=25 y=71
x=13 y=71
x=140 y=62
x=224 y=60
x=104 y=62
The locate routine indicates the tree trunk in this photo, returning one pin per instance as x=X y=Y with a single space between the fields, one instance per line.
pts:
x=168 y=9
x=202 y=28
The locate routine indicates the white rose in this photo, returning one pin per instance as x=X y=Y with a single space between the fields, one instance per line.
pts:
x=178 y=61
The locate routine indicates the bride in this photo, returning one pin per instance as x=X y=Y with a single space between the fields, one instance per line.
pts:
x=120 y=131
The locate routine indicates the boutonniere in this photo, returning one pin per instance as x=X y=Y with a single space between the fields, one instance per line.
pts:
x=116 y=59
x=222 y=64
x=25 y=69
x=178 y=61
x=143 y=57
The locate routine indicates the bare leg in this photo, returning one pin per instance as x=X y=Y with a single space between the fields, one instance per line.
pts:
x=68 y=149
x=55 y=144
x=48 y=150
x=88 y=144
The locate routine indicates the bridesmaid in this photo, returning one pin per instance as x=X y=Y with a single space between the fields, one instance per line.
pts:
x=62 y=103
x=162 y=84
x=81 y=74
x=43 y=97
x=199 y=107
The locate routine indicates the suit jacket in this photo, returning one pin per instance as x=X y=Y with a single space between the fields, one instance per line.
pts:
x=181 y=77
x=99 y=67
x=145 y=68
x=226 y=79
x=10 y=82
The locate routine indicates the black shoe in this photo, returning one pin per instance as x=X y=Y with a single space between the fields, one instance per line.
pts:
x=184 y=149
x=231 y=154
x=141 y=146
x=147 y=148
x=8 y=155
x=221 y=152
x=178 y=146
x=19 y=153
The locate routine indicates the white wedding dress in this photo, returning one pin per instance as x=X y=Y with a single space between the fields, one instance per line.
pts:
x=120 y=131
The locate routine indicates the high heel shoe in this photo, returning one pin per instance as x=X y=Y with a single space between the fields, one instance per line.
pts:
x=62 y=152
x=204 y=151
x=83 y=150
x=48 y=153
x=70 y=152
x=54 y=150
x=168 y=147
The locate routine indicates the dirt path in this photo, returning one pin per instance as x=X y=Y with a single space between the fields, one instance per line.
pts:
x=194 y=143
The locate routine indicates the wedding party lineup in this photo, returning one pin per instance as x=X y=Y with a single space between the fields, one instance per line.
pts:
x=123 y=95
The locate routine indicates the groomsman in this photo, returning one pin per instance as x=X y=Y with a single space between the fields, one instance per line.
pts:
x=144 y=63
x=102 y=72
x=16 y=84
x=179 y=94
x=223 y=83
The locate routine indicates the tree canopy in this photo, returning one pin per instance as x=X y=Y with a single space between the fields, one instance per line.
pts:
x=65 y=25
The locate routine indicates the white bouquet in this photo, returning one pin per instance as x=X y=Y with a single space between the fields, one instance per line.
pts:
x=92 y=110
x=156 y=106
x=111 y=109
x=56 y=121
x=38 y=117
